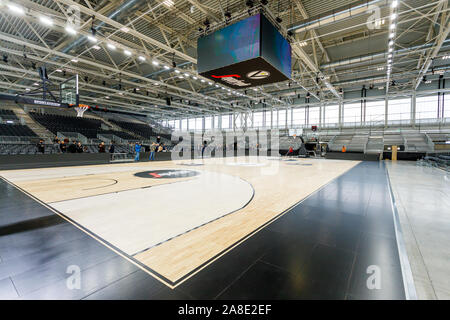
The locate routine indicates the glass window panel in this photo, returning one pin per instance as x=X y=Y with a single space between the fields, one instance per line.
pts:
x=399 y=109
x=257 y=119
x=208 y=124
x=375 y=111
x=331 y=114
x=298 y=117
x=268 y=118
x=314 y=116
x=192 y=124
x=198 y=124
x=447 y=106
x=226 y=121
x=426 y=107
x=352 y=112
x=282 y=118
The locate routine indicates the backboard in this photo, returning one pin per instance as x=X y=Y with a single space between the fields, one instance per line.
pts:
x=69 y=91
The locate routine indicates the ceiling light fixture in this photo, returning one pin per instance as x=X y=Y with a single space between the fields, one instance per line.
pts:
x=45 y=20
x=15 y=8
x=70 y=30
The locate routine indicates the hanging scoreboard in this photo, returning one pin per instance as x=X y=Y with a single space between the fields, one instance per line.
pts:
x=248 y=53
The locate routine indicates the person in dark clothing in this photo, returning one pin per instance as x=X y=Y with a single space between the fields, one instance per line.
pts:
x=79 y=147
x=41 y=146
x=72 y=147
x=158 y=139
x=62 y=146
x=205 y=144
x=101 y=147
x=112 y=147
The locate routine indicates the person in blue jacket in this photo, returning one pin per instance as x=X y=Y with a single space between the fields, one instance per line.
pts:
x=137 y=148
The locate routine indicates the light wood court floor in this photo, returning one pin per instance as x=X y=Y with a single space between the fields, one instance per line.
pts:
x=173 y=239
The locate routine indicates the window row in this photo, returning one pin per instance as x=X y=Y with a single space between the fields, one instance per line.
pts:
x=399 y=110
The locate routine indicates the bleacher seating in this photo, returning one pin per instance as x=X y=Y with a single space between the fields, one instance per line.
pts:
x=58 y=123
x=141 y=129
x=16 y=130
x=122 y=135
x=88 y=127
x=93 y=129
x=6 y=115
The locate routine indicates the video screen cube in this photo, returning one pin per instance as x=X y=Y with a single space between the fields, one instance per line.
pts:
x=246 y=54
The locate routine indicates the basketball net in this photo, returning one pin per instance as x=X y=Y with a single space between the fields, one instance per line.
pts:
x=80 y=111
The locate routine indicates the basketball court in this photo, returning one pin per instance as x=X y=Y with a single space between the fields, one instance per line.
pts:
x=224 y=150
x=168 y=218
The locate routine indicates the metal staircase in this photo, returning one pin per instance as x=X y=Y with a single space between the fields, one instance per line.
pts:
x=375 y=142
x=37 y=128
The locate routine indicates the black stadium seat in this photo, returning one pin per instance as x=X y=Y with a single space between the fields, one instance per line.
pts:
x=16 y=130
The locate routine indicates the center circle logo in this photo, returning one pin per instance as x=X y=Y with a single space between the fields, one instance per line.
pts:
x=258 y=75
x=166 y=174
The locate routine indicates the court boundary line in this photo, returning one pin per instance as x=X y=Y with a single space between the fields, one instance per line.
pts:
x=112 y=247
x=119 y=252
x=155 y=274
x=405 y=266
x=243 y=239
x=204 y=224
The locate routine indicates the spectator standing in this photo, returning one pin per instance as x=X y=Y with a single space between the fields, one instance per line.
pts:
x=137 y=149
x=112 y=148
x=63 y=146
x=152 y=151
x=41 y=146
x=101 y=147
x=205 y=144
x=79 y=147
x=72 y=148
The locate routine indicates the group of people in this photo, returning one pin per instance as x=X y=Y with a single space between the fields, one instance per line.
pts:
x=66 y=146
x=74 y=146
x=157 y=146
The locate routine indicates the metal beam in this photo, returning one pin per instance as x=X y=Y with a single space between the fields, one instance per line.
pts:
x=433 y=53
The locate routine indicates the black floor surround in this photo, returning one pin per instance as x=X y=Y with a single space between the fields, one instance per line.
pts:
x=320 y=249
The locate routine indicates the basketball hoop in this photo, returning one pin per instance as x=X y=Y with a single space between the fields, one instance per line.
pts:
x=80 y=111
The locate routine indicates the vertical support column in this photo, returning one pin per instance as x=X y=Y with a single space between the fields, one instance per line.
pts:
x=286 y=118
x=271 y=118
x=324 y=121
x=219 y=122
x=292 y=117
x=341 y=113
x=413 y=109
x=386 y=110
x=264 y=118
x=320 y=115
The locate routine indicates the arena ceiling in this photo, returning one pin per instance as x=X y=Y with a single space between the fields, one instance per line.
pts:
x=338 y=46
